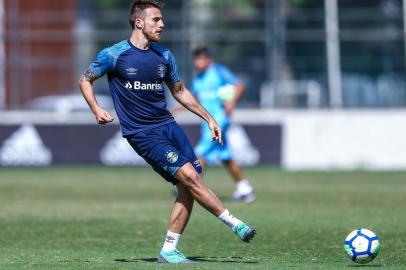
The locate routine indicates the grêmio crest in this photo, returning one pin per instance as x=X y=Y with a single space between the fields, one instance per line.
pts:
x=161 y=71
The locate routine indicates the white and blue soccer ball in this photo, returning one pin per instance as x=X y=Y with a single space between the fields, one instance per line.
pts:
x=362 y=246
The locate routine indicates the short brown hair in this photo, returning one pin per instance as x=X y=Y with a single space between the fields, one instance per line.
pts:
x=202 y=51
x=138 y=6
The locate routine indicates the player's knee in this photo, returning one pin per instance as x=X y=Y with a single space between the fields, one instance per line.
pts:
x=184 y=193
x=192 y=179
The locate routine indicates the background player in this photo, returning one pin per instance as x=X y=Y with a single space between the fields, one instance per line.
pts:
x=207 y=84
x=136 y=70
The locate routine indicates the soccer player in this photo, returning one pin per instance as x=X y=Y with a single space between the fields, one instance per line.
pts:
x=207 y=84
x=136 y=70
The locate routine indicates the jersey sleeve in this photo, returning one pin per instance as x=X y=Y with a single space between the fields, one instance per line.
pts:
x=104 y=63
x=227 y=75
x=172 y=74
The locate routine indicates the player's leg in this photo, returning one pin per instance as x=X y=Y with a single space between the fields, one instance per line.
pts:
x=163 y=158
x=174 y=156
x=234 y=170
x=212 y=152
x=181 y=211
x=188 y=176
x=243 y=189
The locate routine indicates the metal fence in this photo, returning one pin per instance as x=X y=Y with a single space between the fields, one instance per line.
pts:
x=290 y=53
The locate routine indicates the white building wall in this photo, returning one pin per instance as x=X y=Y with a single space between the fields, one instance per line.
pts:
x=345 y=140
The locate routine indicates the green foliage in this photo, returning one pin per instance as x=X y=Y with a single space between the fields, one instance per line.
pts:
x=242 y=7
x=106 y=4
x=297 y=2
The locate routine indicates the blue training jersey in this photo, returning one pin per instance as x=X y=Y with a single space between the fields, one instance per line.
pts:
x=205 y=87
x=136 y=79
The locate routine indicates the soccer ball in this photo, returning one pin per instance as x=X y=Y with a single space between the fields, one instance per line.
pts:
x=362 y=246
x=226 y=92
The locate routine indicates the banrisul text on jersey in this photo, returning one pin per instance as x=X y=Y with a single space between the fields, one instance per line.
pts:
x=136 y=80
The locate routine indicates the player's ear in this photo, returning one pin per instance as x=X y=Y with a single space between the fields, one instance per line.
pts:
x=139 y=23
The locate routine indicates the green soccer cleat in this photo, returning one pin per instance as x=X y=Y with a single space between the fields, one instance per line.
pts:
x=245 y=232
x=173 y=257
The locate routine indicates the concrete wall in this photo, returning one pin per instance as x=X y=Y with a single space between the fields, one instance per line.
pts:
x=345 y=140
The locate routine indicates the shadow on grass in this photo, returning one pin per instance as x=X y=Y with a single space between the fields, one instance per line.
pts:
x=223 y=259
x=135 y=260
x=197 y=259
x=366 y=265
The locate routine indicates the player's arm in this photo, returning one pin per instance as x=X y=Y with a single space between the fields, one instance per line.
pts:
x=86 y=86
x=179 y=107
x=239 y=92
x=186 y=99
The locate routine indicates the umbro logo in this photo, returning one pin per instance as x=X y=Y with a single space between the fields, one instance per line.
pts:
x=170 y=239
x=132 y=71
x=197 y=163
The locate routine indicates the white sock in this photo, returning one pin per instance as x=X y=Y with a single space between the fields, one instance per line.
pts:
x=171 y=241
x=229 y=219
x=244 y=186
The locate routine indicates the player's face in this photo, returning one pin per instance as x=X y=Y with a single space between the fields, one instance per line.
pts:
x=153 y=24
x=202 y=62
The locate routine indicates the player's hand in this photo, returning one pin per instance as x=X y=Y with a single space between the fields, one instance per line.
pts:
x=229 y=107
x=216 y=131
x=103 y=117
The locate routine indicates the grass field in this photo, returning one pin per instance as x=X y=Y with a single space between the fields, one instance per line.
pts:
x=115 y=218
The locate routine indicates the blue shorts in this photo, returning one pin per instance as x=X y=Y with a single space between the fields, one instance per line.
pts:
x=166 y=148
x=213 y=152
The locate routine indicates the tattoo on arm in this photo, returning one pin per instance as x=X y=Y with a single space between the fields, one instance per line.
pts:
x=175 y=88
x=88 y=76
x=178 y=87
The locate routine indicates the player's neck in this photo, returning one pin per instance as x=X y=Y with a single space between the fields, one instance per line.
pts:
x=139 y=40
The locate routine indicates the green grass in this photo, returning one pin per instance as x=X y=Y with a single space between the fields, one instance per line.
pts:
x=115 y=218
